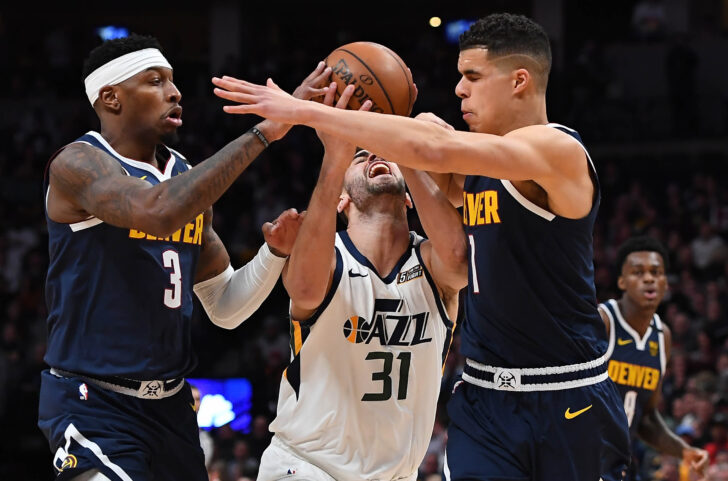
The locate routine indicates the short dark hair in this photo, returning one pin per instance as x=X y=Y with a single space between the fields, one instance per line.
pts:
x=640 y=244
x=111 y=49
x=509 y=34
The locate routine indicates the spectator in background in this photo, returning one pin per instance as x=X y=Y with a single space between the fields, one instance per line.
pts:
x=709 y=251
x=718 y=436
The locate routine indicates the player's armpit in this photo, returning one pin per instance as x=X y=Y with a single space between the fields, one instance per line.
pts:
x=214 y=257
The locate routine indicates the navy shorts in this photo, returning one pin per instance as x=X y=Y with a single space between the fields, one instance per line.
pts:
x=578 y=434
x=124 y=437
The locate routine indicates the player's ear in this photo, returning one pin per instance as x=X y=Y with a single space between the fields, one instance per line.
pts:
x=408 y=200
x=621 y=284
x=521 y=80
x=343 y=203
x=109 y=99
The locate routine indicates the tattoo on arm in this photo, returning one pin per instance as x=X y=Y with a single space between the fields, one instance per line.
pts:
x=96 y=184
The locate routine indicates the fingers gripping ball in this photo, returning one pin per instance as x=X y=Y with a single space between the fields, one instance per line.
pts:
x=377 y=73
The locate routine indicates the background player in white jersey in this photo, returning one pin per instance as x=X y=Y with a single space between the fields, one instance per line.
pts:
x=371 y=311
x=639 y=347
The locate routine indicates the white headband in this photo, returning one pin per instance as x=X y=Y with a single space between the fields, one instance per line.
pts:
x=121 y=68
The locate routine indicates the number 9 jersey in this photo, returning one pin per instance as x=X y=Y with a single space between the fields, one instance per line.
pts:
x=120 y=300
x=359 y=397
x=636 y=364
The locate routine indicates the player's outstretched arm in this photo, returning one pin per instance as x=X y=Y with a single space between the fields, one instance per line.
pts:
x=308 y=273
x=531 y=153
x=231 y=296
x=88 y=182
x=653 y=430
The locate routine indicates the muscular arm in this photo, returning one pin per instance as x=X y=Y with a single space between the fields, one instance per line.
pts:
x=309 y=270
x=232 y=296
x=537 y=153
x=93 y=183
x=446 y=250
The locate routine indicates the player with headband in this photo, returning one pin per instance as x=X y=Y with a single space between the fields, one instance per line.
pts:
x=130 y=239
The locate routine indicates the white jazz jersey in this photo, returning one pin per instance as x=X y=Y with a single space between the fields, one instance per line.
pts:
x=359 y=397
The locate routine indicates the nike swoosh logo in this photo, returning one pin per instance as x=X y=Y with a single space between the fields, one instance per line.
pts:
x=357 y=274
x=569 y=415
x=623 y=342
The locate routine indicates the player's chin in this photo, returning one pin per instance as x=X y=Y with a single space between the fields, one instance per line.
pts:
x=170 y=137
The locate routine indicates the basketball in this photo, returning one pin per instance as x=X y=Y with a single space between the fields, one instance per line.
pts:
x=378 y=74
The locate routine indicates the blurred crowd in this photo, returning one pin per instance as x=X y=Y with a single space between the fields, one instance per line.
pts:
x=680 y=199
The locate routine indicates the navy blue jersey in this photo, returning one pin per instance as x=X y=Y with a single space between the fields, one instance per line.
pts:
x=531 y=300
x=636 y=364
x=119 y=300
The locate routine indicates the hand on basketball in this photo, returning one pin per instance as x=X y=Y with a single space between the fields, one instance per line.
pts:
x=697 y=459
x=315 y=85
x=281 y=234
x=335 y=147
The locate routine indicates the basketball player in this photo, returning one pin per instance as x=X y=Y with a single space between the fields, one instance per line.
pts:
x=371 y=325
x=639 y=347
x=130 y=234
x=536 y=377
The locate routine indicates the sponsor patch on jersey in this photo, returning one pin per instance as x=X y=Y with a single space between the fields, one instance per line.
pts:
x=653 y=348
x=410 y=274
x=83 y=391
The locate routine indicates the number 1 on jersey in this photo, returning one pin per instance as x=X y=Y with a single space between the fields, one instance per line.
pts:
x=173 y=297
x=476 y=289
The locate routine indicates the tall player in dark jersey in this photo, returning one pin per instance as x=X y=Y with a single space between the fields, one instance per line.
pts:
x=130 y=235
x=639 y=347
x=536 y=377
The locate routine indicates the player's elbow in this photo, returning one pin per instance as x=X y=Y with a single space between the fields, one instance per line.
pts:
x=433 y=152
x=304 y=295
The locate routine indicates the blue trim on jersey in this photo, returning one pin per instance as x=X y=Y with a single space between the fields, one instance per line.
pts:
x=329 y=295
x=361 y=258
x=449 y=324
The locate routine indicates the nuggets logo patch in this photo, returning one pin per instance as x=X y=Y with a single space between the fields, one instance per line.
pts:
x=410 y=274
x=69 y=462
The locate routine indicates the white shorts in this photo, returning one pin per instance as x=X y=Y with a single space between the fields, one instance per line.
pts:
x=279 y=463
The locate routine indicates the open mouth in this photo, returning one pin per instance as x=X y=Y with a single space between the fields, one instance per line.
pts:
x=174 y=116
x=378 y=168
x=650 y=294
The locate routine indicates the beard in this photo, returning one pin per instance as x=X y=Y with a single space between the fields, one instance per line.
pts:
x=362 y=192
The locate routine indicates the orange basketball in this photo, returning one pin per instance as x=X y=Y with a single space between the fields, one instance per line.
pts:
x=379 y=75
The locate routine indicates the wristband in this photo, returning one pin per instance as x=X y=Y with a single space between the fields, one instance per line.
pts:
x=260 y=136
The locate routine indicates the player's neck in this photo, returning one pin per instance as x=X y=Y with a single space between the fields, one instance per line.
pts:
x=529 y=112
x=637 y=317
x=380 y=239
x=130 y=147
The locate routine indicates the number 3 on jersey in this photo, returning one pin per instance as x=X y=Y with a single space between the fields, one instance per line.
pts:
x=173 y=296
